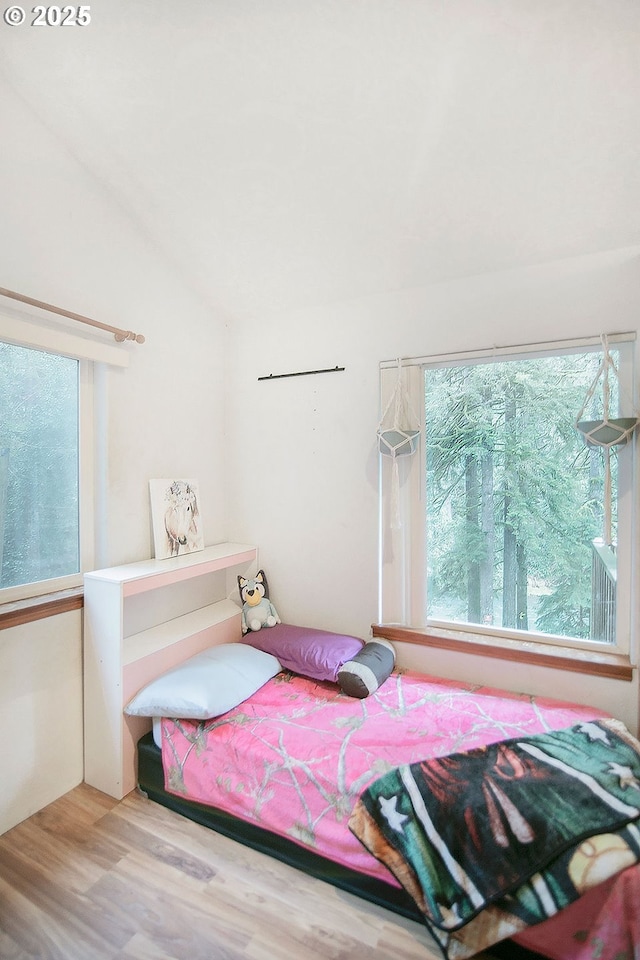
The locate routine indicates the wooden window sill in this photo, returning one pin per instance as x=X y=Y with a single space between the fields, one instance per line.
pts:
x=614 y=666
x=38 y=608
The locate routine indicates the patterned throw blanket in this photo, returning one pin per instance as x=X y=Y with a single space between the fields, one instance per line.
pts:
x=490 y=841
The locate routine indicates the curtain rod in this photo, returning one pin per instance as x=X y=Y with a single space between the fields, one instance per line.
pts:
x=301 y=373
x=490 y=353
x=119 y=334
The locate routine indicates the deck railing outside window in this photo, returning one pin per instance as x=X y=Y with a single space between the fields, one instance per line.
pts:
x=603 y=592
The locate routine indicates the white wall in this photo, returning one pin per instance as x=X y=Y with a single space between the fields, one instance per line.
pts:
x=303 y=475
x=64 y=241
x=288 y=464
x=40 y=714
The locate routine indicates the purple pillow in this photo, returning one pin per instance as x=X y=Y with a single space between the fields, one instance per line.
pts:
x=313 y=653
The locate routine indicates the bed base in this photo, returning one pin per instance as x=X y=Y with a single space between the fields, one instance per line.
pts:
x=151 y=783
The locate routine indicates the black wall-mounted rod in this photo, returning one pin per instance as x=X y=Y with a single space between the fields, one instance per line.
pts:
x=301 y=373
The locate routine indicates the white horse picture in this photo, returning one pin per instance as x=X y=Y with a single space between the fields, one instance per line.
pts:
x=175 y=514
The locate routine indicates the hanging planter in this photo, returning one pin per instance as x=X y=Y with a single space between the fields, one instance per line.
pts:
x=398 y=436
x=398 y=443
x=399 y=427
x=608 y=432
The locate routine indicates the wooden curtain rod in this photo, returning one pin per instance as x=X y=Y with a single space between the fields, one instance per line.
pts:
x=119 y=334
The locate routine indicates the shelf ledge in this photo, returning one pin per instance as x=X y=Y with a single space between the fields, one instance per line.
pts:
x=600 y=664
x=39 y=608
x=153 y=639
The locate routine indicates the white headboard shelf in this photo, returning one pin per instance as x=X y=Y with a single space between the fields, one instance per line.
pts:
x=141 y=619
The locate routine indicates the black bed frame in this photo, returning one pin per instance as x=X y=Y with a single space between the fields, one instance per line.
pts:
x=151 y=783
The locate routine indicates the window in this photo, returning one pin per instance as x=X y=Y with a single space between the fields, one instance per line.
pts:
x=38 y=466
x=44 y=411
x=515 y=504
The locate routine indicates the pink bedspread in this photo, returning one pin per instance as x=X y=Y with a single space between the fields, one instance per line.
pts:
x=295 y=757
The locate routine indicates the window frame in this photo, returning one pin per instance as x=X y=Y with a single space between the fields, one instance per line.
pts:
x=30 y=335
x=410 y=554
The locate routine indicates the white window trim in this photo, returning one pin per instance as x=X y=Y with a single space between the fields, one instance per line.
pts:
x=53 y=338
x=32 y=334
x=402 y=596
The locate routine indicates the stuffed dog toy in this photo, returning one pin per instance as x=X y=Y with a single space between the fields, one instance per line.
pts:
x=257 y=609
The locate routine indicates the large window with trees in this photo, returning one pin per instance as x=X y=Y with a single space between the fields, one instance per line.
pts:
x=517 y=501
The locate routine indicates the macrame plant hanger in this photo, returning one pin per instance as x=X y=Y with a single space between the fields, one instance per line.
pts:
x=398 y=436
x=608 y=432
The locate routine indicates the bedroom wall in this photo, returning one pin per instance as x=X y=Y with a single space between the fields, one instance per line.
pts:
x=64 y=241
x=289 y=464
x=303 y=478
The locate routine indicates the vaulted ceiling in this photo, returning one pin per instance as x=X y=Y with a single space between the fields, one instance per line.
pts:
x=287 y=153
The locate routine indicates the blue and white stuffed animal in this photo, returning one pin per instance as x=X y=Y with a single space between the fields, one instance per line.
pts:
x=257 y=609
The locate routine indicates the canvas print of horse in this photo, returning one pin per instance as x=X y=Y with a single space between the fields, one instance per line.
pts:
x=175 y=515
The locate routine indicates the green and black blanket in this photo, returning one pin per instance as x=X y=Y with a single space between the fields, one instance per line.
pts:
x=494 y=839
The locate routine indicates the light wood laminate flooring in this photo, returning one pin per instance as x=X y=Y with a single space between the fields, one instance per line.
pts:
x=91 y=878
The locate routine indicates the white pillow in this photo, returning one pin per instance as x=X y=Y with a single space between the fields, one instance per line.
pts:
x=206 y=685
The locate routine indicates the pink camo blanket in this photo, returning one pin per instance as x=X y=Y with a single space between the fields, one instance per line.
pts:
x=296 y=756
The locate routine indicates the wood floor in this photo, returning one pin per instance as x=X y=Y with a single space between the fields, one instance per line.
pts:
x=90 y=878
